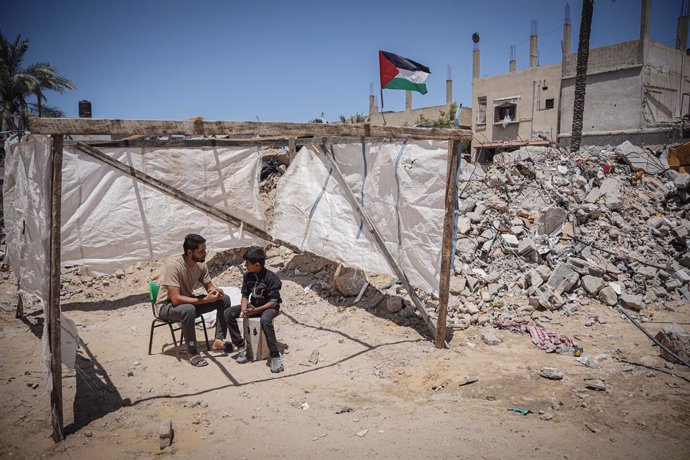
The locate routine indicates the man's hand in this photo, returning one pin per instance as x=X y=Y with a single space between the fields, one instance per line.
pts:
x=246 y=312
x=213 y=295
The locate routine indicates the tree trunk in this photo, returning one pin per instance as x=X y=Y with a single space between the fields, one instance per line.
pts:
x=38 y=103
x=581 y=77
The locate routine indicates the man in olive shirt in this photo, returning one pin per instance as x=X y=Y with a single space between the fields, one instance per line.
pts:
x=177 y=302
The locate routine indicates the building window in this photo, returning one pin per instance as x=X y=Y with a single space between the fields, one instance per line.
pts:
x=506 y=110
x=549 y=104
x=481 y=110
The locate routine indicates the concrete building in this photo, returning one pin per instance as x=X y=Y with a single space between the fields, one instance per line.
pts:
x=637 y=90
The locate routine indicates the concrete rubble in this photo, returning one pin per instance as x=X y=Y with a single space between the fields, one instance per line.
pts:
x=542 y=229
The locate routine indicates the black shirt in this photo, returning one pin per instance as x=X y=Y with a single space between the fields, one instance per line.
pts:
x=263 y=287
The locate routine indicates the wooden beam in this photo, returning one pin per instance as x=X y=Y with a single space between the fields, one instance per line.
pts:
x=54 y=291
x=378 y=239
x=171 y=191
x=85 y=126
x=447 y=247
x=209 y=143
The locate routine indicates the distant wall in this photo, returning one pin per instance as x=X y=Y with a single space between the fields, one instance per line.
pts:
x=612 y=101
x=410 y=118
x=606 y=58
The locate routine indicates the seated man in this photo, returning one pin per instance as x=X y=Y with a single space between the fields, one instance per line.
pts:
x=260 y=297
x=176 y=300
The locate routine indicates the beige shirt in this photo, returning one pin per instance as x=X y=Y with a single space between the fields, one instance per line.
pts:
x=177 y=274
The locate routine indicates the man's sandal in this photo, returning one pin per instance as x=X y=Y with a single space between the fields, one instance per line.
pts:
x=198 y=361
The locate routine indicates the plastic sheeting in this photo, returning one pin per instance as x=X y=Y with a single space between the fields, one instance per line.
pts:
x=26 y=207
x=111 y=220
x=401 y=187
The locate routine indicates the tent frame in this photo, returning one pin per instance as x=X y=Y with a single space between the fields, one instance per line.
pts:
x=244 y=133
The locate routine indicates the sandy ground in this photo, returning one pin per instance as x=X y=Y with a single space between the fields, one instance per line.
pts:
x=379 y=389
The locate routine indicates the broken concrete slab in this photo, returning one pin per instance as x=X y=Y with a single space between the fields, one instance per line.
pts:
x=608 y=296
x=592 y=284
x=611 y=189
x=632 y=302
x=675 y=339
x=349 y=280
x=551 y=220
x=563 y=278
x=639 y=159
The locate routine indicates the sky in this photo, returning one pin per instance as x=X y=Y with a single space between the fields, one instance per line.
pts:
x=293 y=60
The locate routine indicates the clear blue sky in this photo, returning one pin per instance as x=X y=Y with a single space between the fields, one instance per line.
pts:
x=291 y=60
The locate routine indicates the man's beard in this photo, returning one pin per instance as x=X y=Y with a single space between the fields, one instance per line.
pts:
x=198 y=259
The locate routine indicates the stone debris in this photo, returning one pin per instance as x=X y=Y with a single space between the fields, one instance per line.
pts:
x=542 y=229
x=165 y=435
x=348 y=281
x=551 y=373
x=675 y=339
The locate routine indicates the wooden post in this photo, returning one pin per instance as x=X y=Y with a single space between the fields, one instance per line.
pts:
x=54 y=291
x=378 y=240
x=292 y=149
x=448 y=235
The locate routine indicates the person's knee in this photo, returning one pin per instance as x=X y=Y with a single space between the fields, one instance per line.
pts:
x=266 y=320
x=227 y=302
x=187 y=312
x=234 y=311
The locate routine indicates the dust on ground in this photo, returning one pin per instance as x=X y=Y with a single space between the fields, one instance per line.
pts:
x=379 y=388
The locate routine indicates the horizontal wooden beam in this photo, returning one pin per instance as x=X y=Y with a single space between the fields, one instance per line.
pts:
x=213 y=142
x=199 y=127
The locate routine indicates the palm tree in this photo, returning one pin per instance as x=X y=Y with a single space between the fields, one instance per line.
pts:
x=18 y=83
x=581 y=75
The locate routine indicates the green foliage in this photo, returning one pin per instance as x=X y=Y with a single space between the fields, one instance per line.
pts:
x=18 y=83
x=356 y=118
x=446 y=118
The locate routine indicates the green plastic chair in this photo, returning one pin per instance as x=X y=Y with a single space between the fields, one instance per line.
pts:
x=173 y=325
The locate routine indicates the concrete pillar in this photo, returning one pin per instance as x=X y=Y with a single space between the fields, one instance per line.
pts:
x=644 y=19
x=566 y=39
x=408 y=101
x=475 y=64
x=372 y=104
x=512 y=65
x=533 y=52
x=682 y=33
x=449 y=92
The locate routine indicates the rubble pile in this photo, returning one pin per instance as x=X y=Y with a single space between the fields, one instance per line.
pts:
x=543 y=229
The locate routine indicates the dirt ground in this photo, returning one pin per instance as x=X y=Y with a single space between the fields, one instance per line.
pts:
x=379 y=389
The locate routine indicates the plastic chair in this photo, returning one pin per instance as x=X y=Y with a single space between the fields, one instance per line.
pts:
x=158 y=321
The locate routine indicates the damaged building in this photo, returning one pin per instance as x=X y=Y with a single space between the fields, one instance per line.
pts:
x=636 y=90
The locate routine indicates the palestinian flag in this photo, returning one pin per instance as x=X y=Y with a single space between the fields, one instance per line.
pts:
x=398 y=72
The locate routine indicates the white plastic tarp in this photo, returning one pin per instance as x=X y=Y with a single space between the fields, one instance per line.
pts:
x=401 y=187
x=109 y=219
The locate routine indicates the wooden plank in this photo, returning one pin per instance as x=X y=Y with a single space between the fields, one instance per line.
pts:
x=173 y=192
x=84 y=126
x=448 y=235
x=54 y=291
x=210 y=143
x=399 y=273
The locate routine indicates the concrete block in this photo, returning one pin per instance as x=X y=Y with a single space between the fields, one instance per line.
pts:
x=165 y=434
x=257 y=348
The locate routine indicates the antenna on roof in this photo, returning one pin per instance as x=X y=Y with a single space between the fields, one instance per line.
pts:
x=685 y=8
x=567 y=13
x=449 y=75
x=512 y=52
x=371 y=88
x=533 y=27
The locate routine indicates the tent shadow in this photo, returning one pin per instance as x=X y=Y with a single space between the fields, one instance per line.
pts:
x=95 y=396
x=105 y=305
x=302 y=268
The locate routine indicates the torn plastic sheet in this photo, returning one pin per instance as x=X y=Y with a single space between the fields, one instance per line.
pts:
x=406 y=204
